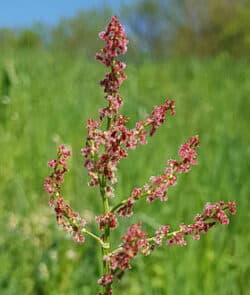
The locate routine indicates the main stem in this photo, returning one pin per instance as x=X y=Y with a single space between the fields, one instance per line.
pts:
x=106 y=235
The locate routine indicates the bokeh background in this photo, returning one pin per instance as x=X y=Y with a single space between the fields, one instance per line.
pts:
x=194 y=51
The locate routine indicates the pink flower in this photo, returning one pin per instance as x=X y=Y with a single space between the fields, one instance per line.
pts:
x=108 y=219
x=134 y=241
x=116 y=44
x=212 y=212
x=106 y=280
x=159 y=185
x=65 y=216
x=105 y=149
x=159 y=114
x=116 y=41
x=69 y=220
x=177 y=239
x=52 y=183
x=115 y=142
x=160 y=234
x=126 y=209
x=109 y=140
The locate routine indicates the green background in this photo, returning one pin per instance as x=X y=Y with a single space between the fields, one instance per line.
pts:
x=50 y=98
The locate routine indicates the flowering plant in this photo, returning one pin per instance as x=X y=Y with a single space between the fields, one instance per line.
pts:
x=108 y=141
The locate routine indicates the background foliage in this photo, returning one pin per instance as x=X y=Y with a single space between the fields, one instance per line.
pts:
x=158 y=28
x=46 y=94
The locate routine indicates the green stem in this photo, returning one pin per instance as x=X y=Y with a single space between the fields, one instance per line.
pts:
x=108 y=123
x=116 y=207
x=167 y=236
x=119 y=205
x=84 y=230
x=106 y=234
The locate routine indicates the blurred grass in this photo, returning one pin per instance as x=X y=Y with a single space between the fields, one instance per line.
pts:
x=49 y=104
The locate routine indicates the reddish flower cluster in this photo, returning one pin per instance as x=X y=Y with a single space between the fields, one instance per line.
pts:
x=126 y=209
x=188 y=153
x=106 y=280
x=159 y=114
x=116 y=44
x=66 y=217
x=52 y=184
x=212 y=214
x=107 y=219
x=160 y=234
x=104 y=149
x=159 y=185
x=217 y=211
x=116 y=142
x=69 y=220
x=134 y=241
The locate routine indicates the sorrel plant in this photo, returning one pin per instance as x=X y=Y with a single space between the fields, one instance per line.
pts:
x=108 y=141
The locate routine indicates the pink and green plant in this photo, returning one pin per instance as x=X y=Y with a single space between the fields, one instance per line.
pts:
x=108 y=141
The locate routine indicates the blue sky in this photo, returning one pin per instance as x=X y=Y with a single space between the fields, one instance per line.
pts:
x=16 y=13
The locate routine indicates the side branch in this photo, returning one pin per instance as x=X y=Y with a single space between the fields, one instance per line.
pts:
x=135 y=241
x=158 y=185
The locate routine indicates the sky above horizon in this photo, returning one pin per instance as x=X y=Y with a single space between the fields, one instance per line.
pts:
x=23 y=13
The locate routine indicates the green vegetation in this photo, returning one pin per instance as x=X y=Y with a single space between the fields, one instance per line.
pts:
x=48 y=102
x=191 y=27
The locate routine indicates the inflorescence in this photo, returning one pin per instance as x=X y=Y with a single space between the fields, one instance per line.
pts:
x=105 y=147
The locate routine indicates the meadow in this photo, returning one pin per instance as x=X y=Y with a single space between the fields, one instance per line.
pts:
x=49 y=101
